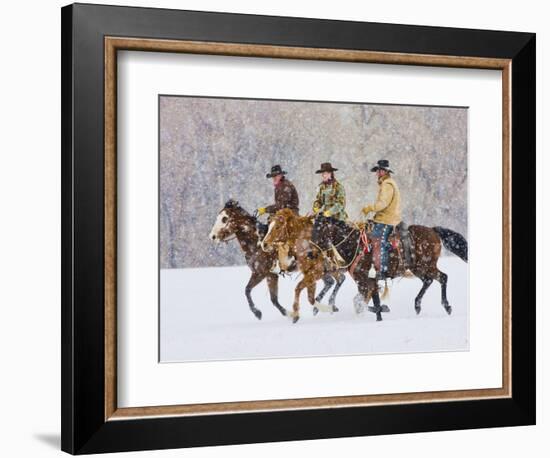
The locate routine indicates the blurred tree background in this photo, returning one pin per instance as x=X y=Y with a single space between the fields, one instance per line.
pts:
x=214 y=149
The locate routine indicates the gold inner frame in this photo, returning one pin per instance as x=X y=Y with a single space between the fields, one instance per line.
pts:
x=112 y=45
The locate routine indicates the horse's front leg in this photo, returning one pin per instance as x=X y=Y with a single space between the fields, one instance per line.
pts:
x=254 y=280
x=369 y=290
x=377 y=308
x=273 y=284
x=311 y=292
x=340 y=277
x=295 y=314
x=328 y=283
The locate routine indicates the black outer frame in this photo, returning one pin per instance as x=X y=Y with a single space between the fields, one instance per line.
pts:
x=84 y=429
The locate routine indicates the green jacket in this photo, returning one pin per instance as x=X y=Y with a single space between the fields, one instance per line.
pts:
x=332 y=198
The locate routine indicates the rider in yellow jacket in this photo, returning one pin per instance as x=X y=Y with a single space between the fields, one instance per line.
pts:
x=387 y=215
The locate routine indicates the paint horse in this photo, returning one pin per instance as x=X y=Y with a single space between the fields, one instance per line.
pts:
x=233 y=222
x=352 y=246
x=287 y=227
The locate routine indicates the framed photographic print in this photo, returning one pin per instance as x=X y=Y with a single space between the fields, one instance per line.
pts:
x=270 y=222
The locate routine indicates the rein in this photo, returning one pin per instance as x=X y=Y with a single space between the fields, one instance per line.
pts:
x=340 y=243
x=344 y=239
x=354 y=256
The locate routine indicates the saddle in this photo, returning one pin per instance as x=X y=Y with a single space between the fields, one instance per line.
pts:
x=400 y=240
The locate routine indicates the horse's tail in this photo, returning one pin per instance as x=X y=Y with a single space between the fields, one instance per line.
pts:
x=453 y=241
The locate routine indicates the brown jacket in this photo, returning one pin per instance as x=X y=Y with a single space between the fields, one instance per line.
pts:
x=286 y=196
x=387 y=207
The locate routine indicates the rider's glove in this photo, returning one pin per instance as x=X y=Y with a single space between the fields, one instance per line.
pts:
x=326 y=213
x=316 y=210
x=367 y=209
x=261 y=211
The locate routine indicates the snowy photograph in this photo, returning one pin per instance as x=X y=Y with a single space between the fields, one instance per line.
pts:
x=295 y=228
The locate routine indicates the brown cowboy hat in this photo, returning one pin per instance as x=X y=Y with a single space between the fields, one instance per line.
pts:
x=382 y=164
x=275 y=170
x=326 y=167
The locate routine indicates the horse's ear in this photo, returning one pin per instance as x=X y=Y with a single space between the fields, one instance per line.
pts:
x=231 y=203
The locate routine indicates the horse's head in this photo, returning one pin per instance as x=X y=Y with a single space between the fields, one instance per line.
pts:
x=322 y=232
x=228 y=221
x=280 y=228
x=328 y=231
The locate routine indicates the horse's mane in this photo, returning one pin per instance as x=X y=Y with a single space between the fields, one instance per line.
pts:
x=296 y=223
x=340 y=230
x=233 y=204
x=338 y=223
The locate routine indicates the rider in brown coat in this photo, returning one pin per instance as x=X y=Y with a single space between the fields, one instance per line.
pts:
x=286 y=196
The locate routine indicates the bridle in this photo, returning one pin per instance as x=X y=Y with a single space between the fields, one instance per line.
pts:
x=228 y=239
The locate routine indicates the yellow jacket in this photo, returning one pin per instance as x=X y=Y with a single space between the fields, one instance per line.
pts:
x=387 y=207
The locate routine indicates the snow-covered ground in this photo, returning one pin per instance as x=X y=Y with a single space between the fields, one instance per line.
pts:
x=205 y=316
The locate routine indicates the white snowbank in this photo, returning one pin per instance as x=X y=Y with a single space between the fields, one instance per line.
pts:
x=205 y=316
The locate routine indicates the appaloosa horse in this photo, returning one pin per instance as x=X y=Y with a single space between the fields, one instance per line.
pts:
x=426 y=249
x=235 y=222
x=287 y=227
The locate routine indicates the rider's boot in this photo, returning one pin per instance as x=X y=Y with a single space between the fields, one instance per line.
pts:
x=376 y=247
x=382 y=273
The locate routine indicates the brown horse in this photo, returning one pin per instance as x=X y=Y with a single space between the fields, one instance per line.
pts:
x=235 y=222
x=426 y=249
x=287 y=227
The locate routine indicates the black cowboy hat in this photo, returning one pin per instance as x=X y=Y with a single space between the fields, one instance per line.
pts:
x=275 y=170
x=326 y=167
x=383 y=164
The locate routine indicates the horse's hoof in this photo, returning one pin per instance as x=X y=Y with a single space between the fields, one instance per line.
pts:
x=378 y=317
x=417 y=309
x=257 y=314
x=296 y=318
x=378 y=310
x=448 y=309
x=358 y=304
x=322 y=307
x=335 y=309
x=283 y=312
x=315 y=311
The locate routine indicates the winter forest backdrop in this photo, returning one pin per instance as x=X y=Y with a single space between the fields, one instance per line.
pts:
x=214 y=149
